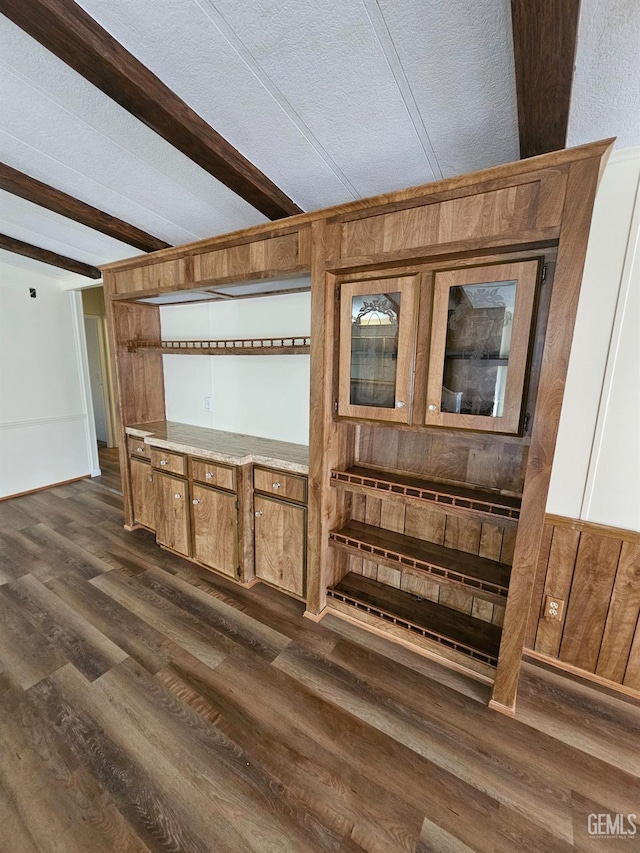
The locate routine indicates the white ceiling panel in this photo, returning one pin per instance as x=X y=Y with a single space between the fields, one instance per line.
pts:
x=62 y=130
x=458 y=61
x=41 y=227
x=182 y=43
x=606 y=85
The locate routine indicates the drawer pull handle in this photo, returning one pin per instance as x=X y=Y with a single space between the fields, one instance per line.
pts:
x=164 y=461
x=208 y=475
x=276 y=485
x=258 y=513
x=139 y=449
x=150 y=479
x=177 y=496
x=195 y=501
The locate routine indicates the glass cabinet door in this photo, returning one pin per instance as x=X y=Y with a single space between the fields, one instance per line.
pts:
x=377 y=330
x=480 y=335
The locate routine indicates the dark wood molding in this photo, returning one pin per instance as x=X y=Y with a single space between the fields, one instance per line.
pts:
x=17 y=183
x=10 y=244
x=73 y=36
x=544 y=46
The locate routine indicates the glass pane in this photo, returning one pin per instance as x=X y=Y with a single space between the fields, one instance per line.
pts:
x=374 y=349
x=477 y=349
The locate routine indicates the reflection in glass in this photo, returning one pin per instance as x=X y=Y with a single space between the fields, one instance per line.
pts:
x=477 y=349
x=374 y=349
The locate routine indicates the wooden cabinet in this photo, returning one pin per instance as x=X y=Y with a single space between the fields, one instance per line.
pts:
x=377 y=333
x=214 y=515
x=480 y=339
x=277 y=483
x=172 y=512
x=280 y=543
x=465 y=369
x=143 y=493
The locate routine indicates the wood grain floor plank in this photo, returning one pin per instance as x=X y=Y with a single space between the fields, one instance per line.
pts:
x=504 y=778
x=83 y=645
x=25 y=655
x=261 y=810
x=148 y=791
x=180 y=627
x=318 y=780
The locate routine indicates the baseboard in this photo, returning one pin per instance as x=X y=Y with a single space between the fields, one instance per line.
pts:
x=45 y=488
x=507 y=710
x=96 y=472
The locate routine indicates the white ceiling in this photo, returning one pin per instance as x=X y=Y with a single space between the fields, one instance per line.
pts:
x=332 y=100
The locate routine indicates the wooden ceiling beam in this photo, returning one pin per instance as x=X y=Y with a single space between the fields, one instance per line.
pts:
x=18 y=247
x=17 y=183
x=545 y=34
x=73 y=36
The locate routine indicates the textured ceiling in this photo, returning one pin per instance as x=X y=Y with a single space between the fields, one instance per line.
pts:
x=332 y=100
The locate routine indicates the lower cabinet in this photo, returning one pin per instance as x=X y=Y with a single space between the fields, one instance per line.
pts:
x=280 y=543
x=214 y=516
x=143 y=494
x=172 y=512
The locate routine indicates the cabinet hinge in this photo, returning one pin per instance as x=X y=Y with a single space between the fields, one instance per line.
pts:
x=238 y=571
x=237 y=504
x=335 y=405
x=525 y=422
x=544 y=273
x=337 y=294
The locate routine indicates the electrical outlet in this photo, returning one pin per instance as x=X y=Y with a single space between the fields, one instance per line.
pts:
x=208 y=407
x=553 y=607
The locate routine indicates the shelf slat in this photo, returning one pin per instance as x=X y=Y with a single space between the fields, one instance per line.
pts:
x=484 y=578
x=413 y=489
x=291 y=345
x=473 y=637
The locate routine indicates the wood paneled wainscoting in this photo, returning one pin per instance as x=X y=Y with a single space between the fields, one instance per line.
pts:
x=592 y=573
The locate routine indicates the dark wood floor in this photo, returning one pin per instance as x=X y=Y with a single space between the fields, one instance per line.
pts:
x=147 y=705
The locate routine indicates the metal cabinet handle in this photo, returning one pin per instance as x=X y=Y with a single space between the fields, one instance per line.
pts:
x=258 y=513
x=195 y=501
x=150 y=478
x=432 y=407
x=177 y=496
x=208 y=475
x=139 y=449
x=276 y=485
x=164 y=461
x=400 y=404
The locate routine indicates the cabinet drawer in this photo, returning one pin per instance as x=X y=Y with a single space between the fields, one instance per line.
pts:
x=138 y=448
x=166 y=461
x=213 y=474
x=282 y=485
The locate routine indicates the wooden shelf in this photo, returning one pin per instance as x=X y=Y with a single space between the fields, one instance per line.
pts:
x=297 y=345
x=418 y=491
x=485 y=578
x=473 y=637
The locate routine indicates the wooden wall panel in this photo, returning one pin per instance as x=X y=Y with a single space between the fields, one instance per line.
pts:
x=532 y=208
x=595 y=571
x=453 y=531
x=248 y=260
x=165 y=275
x=493 y=462
x=589 y=598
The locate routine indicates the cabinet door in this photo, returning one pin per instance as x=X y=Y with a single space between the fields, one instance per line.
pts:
x=480 y=340
x=143 y=494
x=377 y=334
x=172 y=513
x=280 y=543
x=215 y=529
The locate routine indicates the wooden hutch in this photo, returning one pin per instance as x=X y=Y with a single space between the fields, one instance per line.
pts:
x=441 y=319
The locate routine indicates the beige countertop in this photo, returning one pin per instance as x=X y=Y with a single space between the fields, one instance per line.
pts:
x=230 y=447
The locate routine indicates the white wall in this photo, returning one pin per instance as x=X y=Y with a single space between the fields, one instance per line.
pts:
x=256 y=395
x=596 y=469
x=44 y=436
